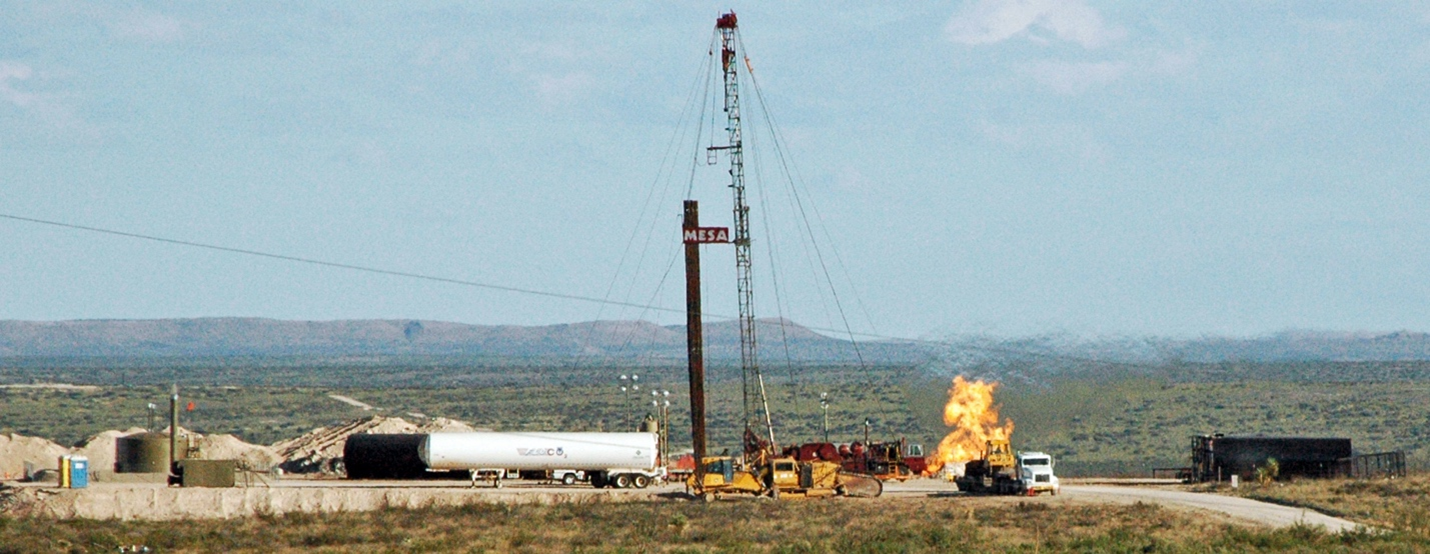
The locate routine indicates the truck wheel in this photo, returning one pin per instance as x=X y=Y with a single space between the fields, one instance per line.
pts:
x=621 y=481
x=598 y=479
x=568 y=479
x=641 y=481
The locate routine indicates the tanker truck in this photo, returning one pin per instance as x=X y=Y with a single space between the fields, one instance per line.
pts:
x=616 y=460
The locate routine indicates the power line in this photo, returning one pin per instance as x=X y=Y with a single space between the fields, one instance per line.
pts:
x=548 y=294
x=339 y=265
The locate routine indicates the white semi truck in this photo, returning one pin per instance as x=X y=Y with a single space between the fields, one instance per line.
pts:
x=1000 y=471
x=1035 y=471
x=617 y=460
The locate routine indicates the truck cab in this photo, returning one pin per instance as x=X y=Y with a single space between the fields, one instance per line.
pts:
x=1035 y=471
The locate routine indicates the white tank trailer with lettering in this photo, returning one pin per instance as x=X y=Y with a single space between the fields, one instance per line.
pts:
x=616 y=460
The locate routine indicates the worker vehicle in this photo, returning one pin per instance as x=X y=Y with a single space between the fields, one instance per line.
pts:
x=1002 y=471
x=563 y=476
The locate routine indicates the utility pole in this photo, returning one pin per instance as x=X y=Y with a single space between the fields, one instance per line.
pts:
x=694 y=335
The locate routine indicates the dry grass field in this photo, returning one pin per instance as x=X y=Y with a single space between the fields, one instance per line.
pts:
x=1400 y=504
x=843 y=525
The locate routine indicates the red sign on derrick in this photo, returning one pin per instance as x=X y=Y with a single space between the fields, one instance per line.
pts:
x=706 y=235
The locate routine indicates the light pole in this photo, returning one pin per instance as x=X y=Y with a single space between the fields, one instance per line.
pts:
x=665 y=429
x=824 y=404
x=635 y=388
x=625 y=391
x=867 y=424
x=662 y=423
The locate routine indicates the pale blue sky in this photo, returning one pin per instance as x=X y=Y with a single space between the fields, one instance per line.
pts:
x=1009 y=167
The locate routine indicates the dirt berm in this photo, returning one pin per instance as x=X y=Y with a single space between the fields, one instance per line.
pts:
x=159 y=502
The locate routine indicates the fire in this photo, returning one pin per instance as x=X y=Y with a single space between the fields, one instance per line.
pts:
x=973 y=417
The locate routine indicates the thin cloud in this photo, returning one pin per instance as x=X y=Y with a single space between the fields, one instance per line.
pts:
x=150 y=27
x=562 y=89
x=55 y=117
x=1043 y=21
x=1071 y=141
x=16 y=71
x=558 y=72
x=1075 y=77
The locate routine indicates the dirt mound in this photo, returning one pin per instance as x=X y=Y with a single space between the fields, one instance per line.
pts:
x=15 y=450
x=228 y=447
x=444 y=425
x=100 y=448
x=321 y=450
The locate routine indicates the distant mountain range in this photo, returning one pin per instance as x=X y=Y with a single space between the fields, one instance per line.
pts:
x=219 y=337
x=779 y=340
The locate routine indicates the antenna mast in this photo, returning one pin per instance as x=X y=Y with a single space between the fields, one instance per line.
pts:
x=756 y=406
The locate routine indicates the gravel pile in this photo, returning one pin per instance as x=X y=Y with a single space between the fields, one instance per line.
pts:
x=321 y=450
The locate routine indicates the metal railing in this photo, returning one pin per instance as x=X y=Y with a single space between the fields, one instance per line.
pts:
x=1368 y=466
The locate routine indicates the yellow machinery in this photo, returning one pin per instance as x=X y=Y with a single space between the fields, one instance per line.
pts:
x=780 y=477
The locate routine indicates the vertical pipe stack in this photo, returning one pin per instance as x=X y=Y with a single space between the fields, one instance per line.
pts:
x=173 y=428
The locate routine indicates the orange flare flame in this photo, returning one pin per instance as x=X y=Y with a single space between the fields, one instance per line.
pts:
x=973 y=417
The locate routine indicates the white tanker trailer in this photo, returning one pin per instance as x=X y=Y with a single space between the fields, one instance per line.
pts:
x=616 y=460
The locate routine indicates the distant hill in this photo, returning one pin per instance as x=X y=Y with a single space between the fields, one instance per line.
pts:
x=220 y=337
x=224 y=337
x=1303 y=346
x=1298 y=355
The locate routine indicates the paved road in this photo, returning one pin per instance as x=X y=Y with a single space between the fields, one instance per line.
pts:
x=1270 y=514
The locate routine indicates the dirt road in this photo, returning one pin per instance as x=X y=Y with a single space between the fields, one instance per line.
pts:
x=1273 y=515
x=351 y=401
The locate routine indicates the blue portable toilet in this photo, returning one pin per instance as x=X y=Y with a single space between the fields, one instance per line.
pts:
x=74 y=472
x=79 y=472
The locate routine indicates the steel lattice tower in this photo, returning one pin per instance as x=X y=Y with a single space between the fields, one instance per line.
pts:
x=757 y=412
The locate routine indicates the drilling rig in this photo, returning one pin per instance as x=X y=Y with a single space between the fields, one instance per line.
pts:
x=758 y=470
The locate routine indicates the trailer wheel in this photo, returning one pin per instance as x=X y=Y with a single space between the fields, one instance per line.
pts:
x=568 y=479
x=621 y=481
x=641 y=481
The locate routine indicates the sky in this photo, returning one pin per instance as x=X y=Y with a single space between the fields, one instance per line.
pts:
x=1005 y=167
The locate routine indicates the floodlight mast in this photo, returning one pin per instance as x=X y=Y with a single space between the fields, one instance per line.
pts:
x=756 y=406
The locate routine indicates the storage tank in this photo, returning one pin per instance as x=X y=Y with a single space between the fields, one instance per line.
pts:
x=1216 y=457
x=539 y=451
x=384 y=456
x=146 y=453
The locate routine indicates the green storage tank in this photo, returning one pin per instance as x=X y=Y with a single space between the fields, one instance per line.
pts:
x=145 y=453
x=207 y=473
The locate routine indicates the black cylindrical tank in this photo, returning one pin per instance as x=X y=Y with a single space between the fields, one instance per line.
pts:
x=145 y=453
x=384 y=456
